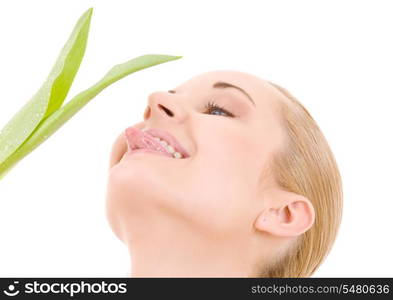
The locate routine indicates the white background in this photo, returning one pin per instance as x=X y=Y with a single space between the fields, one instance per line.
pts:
x=334 y=56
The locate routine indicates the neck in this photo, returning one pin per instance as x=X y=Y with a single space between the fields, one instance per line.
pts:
x=168 y=251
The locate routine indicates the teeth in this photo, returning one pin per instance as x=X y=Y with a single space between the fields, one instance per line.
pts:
x=164 y=143
x=169 y=148
x=177 y=155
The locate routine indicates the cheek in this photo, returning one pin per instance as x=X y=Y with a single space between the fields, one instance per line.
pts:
x=232 y=158
x=215 y=203
x=223 y=182
x=218 y=194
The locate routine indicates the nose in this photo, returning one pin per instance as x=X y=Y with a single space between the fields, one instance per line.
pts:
x=165 y=105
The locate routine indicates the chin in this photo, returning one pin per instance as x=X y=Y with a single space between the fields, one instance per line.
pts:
x=133 y=185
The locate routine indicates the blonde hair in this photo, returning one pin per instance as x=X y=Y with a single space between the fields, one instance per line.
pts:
x=306 y=166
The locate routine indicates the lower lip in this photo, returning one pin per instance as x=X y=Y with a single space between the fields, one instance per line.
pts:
x=149 y=151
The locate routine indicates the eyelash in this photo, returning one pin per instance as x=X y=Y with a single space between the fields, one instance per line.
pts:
x=211 y=105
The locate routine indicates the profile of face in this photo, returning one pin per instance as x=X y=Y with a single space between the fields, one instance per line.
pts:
x=215 y=212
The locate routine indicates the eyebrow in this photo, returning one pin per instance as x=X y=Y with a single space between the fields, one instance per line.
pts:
x=221 y=84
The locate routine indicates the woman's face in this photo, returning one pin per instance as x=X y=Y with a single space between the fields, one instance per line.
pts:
x=217 y=189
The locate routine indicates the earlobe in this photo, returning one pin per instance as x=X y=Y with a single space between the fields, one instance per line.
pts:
x=295 y=216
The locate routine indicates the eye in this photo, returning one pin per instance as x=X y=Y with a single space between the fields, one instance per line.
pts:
x=211 y=106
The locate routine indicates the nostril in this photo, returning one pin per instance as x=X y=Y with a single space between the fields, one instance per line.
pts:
x=146 y=114
x=166 y=110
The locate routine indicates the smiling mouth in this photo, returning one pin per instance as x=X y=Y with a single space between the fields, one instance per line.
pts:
x=139 y=141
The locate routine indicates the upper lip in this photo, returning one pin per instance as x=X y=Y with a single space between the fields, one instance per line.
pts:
x=165 y=135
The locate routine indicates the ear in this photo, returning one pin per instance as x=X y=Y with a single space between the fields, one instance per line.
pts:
x=295 y=216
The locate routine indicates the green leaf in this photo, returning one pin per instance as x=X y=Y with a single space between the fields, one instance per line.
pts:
x=63 y=114
x=51 y=94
